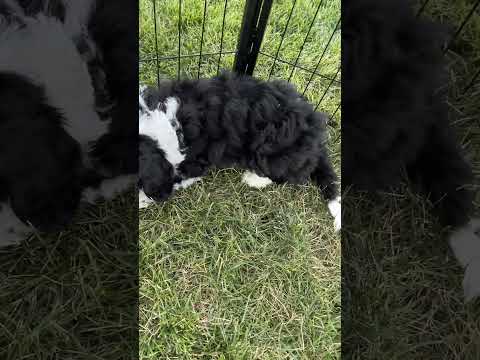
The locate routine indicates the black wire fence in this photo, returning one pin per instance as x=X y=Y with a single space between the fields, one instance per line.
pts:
x=464 y=39
x=294 y=40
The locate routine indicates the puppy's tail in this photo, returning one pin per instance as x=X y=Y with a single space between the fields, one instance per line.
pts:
x=324 y=176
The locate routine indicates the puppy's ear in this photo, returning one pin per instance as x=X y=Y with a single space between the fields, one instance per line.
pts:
x=39 y=205
x=157 y=190
x=156 y=178
x=155 y=172
x=46 y=190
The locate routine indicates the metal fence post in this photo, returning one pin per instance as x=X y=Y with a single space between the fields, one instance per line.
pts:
x=254 y=23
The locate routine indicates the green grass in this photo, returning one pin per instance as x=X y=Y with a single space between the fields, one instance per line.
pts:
x=405 y=285
x=227 y=272
x=74 y=295
x=233 y=272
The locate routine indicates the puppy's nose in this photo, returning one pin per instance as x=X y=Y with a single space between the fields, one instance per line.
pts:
x=177 y=179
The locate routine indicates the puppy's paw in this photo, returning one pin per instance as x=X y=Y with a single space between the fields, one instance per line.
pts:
x=471 y=280
x=335 y=208
x=143 y=200
x=255 y=181
x=186 y=183
x=109 y=188
x=12 y=230
x=465 y=243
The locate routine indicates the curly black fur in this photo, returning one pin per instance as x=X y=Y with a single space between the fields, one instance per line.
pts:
x=394 y=113
x=114 y=28
x=238 y=121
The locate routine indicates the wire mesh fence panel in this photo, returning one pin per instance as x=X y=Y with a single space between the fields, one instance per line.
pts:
x=302 y=44
x=187 y=38
x=463 y=46
x=198 y=38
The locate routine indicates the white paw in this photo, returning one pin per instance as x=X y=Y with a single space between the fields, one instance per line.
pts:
x=255 y=181
x=12 y=230
x=186 y=183
x=335 y=208
x=465 y=243
x=109 y=188
x=471 y=280
x=11 y=238
x=143 y=200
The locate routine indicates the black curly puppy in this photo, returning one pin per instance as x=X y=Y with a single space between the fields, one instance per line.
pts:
x=265 y=128
x=395 y=117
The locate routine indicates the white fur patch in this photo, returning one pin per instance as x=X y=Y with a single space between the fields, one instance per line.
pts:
x=12 y=230
x=335 y=208
x=143 y=200
x=186 y=183
x=465 y=243
x=255 y=181
x=44 y=53
x=157 y=125
x=109 y=188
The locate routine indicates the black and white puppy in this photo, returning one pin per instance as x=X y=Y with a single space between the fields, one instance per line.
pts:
x=265 y=128
x=105 y=33
x=395 y=118
x=54 y=127
x=41 y=168
x=161 y=150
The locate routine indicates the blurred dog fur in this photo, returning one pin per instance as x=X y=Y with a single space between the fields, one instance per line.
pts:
x=63 y=140
x=395 y=118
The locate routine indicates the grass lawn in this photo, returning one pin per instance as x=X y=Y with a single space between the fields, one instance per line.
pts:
x=227 y=272
x=74 y=296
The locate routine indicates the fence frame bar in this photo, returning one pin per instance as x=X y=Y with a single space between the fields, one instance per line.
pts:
x=254 y=23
